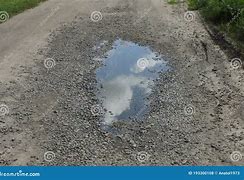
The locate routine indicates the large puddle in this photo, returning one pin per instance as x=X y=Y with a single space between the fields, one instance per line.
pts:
x=126 y=80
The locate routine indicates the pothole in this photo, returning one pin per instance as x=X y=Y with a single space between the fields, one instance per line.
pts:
x=125 y=80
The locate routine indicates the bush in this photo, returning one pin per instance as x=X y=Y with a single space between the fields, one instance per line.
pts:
x=227 y=13
x=196 y=4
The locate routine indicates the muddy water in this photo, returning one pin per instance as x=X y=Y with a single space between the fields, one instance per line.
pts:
x=126 y=80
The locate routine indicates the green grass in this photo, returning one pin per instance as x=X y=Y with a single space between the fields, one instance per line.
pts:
x=228 y=15
x=172 y=1
x=13 y=7
x=175 y=1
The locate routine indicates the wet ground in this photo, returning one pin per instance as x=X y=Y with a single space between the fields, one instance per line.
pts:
x=126 y=79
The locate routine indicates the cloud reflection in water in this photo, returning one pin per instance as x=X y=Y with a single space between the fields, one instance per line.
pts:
x=125 y=85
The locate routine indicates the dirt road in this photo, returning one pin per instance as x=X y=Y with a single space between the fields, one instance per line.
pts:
x=48 y=88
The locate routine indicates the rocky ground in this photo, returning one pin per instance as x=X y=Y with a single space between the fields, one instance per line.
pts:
x=196 y=109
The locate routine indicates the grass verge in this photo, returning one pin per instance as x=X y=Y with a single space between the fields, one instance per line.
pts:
x=227 y=15
x=13 y=7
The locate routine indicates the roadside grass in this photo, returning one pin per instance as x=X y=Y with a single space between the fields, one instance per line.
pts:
x=13 y=7
x=227 y=15
x=172 y=1
x=175 y=1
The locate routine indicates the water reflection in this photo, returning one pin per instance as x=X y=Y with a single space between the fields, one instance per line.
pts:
x=126 y=79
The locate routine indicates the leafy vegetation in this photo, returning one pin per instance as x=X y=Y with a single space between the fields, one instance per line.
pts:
x=227 y=14
x=13 y=7
x=172 y=1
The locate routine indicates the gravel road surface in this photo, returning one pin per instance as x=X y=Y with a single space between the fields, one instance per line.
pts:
x=48 y=88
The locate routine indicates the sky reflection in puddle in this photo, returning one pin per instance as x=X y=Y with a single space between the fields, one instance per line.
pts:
x=126 y=79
